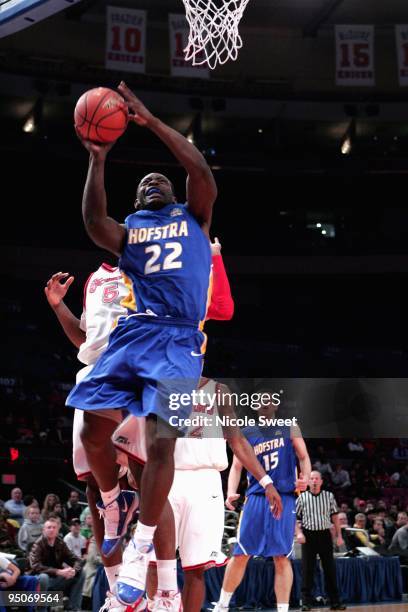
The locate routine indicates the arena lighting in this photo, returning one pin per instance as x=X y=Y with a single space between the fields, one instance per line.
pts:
x=34 y=117
x=346 y=146
x=349 y=138
x=318 y=225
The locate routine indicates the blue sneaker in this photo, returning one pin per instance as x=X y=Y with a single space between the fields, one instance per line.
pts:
x=117 y=516
x=131 y=584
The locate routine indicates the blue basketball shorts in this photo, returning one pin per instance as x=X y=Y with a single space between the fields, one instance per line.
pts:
x=260 y=534
x=150 y=366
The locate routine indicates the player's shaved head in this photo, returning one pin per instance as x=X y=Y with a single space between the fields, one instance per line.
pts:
x=154 y=191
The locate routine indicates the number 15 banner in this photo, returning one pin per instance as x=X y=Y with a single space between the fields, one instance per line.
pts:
x=125 y=39
x=355 y=55
x=401 y=33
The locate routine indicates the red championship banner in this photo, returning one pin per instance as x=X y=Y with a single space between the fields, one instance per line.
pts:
x=178 y=32
x=401 y=34
x=355 y=55
x=125 y=39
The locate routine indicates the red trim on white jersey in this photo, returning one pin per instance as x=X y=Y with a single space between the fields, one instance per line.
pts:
x=109 y=267
x=83 y=476
x=207 y=565
x=131 y=455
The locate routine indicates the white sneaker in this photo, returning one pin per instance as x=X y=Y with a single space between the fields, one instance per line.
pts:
x=220 y=608
x=112 y=604
x=167 y=601
x=131 y=583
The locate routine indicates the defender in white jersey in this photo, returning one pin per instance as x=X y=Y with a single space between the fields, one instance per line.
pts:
x=196 y=495
x=103 y=293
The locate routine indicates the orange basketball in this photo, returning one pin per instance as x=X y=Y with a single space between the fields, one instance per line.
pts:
x=101 y=115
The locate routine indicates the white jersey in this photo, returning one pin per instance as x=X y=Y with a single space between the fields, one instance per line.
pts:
x=203 y=447
x=103 y=293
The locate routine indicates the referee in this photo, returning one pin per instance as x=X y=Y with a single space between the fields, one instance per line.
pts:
x=316 y=509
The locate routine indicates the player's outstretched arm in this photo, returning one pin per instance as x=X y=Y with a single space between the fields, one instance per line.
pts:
x=102 y=229
x=201 y=187
x=55 y=291
x=234 y=478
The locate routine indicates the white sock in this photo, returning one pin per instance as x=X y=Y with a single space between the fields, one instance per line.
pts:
x=225 y=598
x=112 y=576
x=283 y=607
x=144 y=532
x=109 y=496
x=167 y=575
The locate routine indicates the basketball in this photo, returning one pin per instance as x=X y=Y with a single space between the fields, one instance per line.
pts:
x=101 y=115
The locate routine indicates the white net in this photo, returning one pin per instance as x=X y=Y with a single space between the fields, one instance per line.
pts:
x=214 y=36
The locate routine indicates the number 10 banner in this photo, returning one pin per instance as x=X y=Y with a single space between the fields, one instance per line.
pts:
x=401 y=33
x=125 y=39
x=178 y=31
x=355 y=55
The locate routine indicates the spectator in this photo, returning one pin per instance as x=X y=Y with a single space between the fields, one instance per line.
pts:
x=403 y=479
x=31 y=529
x=72 y=508
x=30 y=500
x=58 y=568
x=74 y=540
x=377 y=532
x=93 y=560
x=16 y=506
x=86 y=529
x=354 y=446
x=400 y=539
x=7 y=534
x=63 y=529
x=323 y=466
x=49 y=504
x=340 y=477
x=400 y=452
x=361 y=539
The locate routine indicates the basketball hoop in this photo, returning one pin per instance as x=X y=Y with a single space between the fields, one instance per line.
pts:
x=214 y=36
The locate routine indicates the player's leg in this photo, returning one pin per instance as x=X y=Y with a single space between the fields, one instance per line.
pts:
x=198 y=503
x=96 y=437
x=233 y=576
x=118 y=507
x=280 y=544
x=156 y=482
x=283 y=582
x=194 y=589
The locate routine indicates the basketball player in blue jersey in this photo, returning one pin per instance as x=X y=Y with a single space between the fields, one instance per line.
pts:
x=259 y=533
x=157 y=350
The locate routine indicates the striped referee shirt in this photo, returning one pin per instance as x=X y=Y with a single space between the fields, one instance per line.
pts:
x=315 y=511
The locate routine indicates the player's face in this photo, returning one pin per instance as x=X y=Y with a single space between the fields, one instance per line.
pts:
x=154 y=191
x=268 y=407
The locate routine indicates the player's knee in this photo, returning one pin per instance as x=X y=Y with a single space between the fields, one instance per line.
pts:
x=194 y=574
x=162 y=450
x=241 y=559
x=280 y=561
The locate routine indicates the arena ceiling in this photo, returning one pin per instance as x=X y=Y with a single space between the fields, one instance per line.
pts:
x=278 y=98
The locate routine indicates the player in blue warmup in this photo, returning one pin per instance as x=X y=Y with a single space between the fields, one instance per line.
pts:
x=157 y=350
x=259 y=533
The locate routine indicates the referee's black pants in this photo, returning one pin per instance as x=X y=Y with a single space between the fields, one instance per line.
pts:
x=318 y=542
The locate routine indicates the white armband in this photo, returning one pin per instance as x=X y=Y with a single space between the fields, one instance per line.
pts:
x=265 y=481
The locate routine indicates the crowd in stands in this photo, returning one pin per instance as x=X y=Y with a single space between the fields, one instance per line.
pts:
x=54 y=543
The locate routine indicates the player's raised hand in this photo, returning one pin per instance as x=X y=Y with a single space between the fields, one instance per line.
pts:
x=216 y=247
x=301 y=483
x=137 y=110
x=97 y=150
x=274 y=499
x=57 y=288
x=231 y=501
